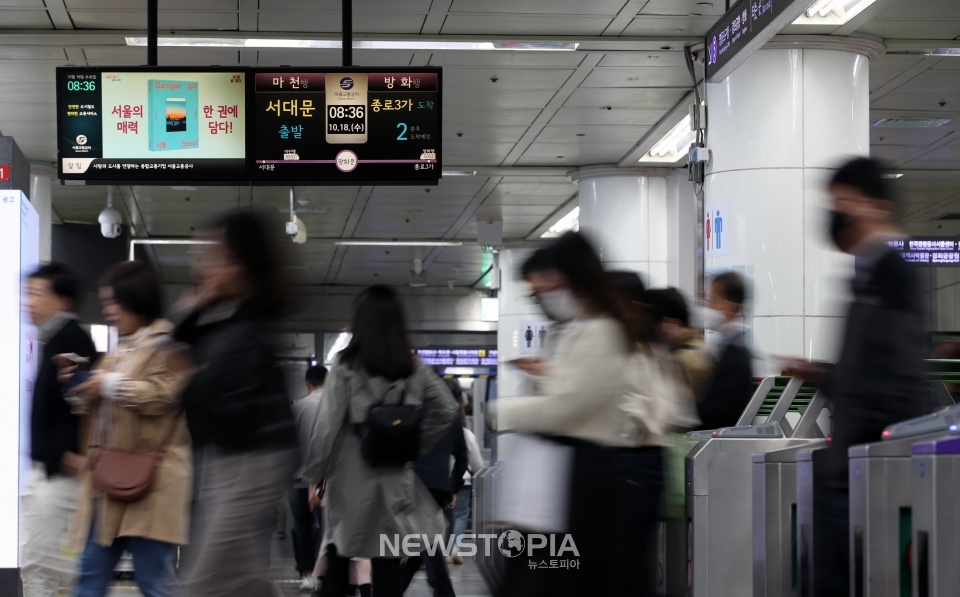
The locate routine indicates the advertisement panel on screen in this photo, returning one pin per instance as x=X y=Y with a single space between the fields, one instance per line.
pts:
x=343 y=125
x=143 y=125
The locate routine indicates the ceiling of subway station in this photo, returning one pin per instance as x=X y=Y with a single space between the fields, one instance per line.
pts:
x=545 y=114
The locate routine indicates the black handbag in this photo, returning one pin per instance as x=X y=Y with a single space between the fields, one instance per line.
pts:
x=390 y=436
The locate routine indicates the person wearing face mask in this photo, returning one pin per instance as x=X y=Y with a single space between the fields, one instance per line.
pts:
x=546 y=290
x=878 y=379
x=731 y=384
x=578 y=413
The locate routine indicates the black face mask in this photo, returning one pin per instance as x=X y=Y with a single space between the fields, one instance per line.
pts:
x=839 y=222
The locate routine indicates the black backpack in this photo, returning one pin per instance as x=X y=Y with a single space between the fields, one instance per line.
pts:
x=390 y=436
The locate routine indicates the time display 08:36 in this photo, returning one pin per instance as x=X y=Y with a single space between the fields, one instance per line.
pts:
x=81 y=85
x=346 y=119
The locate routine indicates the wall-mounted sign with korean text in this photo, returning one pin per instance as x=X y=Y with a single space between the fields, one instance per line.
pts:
x=146 y=125
x=929 y=251
x=346 y=125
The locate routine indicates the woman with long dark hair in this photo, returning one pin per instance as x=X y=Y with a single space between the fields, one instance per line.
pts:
x=238 y=410
x=369 y=502
x=579 y=413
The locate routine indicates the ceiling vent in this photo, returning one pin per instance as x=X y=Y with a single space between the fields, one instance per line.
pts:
x=910 y=123
x=948 y=216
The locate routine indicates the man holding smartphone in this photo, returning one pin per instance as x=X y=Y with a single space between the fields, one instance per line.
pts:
x=50 y=500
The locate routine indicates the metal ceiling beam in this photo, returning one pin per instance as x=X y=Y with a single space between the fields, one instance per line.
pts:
x=434 y=20
x=904 y=77
x=946 y=140
x=626 y=15
x=669 y=120
x=59 y=15
x=572 y=83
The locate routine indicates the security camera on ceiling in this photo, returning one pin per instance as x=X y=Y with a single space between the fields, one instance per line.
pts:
x=111 y=222
x=295 y=228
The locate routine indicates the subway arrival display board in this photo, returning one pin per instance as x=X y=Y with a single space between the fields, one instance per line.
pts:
x=346 y=125
x=269 y=126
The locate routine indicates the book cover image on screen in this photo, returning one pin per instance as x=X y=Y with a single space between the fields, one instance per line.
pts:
x=173 y=106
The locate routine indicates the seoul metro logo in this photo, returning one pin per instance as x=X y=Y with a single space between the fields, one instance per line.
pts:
x=346 y=83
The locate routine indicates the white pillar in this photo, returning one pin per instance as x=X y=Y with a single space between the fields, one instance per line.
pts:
x=682 y=211
x=41 y=181
x=624 y=213
x=778 y=125
x=515 y=307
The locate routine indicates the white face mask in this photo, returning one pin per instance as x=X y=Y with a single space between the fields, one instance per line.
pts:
x=560 y=305
x=712 y=318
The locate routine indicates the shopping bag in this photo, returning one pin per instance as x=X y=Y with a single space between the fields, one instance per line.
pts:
x=534 y=492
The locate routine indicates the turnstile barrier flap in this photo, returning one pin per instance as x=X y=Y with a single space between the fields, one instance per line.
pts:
x=945 y=420
x=942 y=446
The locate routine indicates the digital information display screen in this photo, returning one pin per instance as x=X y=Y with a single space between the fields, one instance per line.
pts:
x=249 y=126
x=929 y=251
x=458 y=357
x=144 y=125
x=744 y=29
x=343 y=125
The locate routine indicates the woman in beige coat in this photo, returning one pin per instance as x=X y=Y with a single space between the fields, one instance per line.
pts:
x=131 y=402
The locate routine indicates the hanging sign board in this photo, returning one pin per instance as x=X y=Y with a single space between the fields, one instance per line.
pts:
x=346 y=125
x=154 y=125
x=743 y=30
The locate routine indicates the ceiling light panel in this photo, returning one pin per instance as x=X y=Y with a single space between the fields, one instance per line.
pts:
x=332 y=44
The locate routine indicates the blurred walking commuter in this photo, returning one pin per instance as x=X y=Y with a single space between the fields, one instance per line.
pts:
x=50 y=500
x=694 y=359
x=131 y=401
x=879 y=378
x=444 y=482
x=580 y=414
x=731 y=384
x=655 y=403
x=366 y=498
x=463 y=506
x=306 y=520
x=238 y=410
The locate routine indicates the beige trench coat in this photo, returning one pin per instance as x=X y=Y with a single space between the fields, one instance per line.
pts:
x=140 y=391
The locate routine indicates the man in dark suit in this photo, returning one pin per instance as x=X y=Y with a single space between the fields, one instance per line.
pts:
x=878 y=379
x=443 y=481
x=49 y=501
x=731 y=385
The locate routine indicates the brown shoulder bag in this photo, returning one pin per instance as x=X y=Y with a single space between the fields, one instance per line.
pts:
x=128 y=476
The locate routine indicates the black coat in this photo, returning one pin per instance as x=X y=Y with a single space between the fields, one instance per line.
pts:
x=878 y=379
x=433 y=468
x=53 y=429
x=730 y=388
x=238 y=398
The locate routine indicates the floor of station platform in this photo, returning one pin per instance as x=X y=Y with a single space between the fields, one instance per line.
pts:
x=465 y=577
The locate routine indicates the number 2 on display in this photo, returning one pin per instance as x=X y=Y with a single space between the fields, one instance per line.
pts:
x=403 y=134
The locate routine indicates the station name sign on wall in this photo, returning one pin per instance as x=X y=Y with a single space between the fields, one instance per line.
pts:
x=743 y=30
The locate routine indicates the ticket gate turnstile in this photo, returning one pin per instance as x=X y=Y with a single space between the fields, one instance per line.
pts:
x=775 y=569
x=672 y=554
x=881 y=505
x=935 y=474
x=719 y=497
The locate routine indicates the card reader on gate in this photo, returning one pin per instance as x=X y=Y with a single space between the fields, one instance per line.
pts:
x=765 y=430
x=945 y=420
